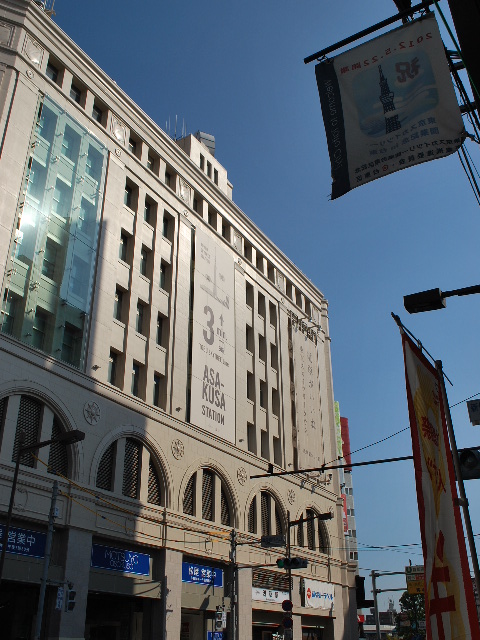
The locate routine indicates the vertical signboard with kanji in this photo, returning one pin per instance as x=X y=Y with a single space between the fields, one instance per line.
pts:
x=213 y=341
x=449 y=603
x=388 y=104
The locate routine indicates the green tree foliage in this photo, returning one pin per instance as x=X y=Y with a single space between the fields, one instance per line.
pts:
x=413 y=607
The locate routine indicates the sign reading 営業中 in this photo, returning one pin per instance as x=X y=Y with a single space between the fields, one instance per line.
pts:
x=319 y=595
x=198 y=574
x=23 y=542
x=120 y=560
x=213 y=341
x=388 y=104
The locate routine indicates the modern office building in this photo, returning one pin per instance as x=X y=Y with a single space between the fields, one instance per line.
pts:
x=141 y=306
x=350 y=526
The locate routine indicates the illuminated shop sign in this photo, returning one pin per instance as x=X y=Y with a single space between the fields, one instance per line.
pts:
x=120 y=560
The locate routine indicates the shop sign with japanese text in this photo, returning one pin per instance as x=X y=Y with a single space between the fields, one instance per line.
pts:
x=269 y=595
x=23 y=542
x=388 y=104
x=198 y=574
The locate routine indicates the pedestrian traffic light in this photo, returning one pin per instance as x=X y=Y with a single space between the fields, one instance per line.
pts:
x=470 y=463
x=219 y=619
x=292 y=563
x=70 y=600
x=360 y=593
x=287 y=621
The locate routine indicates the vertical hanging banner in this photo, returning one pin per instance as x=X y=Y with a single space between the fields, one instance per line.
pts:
x=388 y=104
x=450 y=610
x=213 y=340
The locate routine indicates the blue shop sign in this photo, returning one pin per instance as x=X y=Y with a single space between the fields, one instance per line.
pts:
x=120 y=560
x=199 y=574
x=23 y=542
x=214 y=635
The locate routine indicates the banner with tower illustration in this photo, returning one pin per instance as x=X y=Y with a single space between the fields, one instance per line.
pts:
x=388 y=104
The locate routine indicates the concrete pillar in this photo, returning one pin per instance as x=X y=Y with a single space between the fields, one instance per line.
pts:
x=244 y=605
x=71 y=624
x=172 y=594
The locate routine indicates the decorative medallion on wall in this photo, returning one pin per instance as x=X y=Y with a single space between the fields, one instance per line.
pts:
x=118 y=152
x=237 y=241
x=118 y=129
x=178 y=449
x=91 y=412
x=30 y=74
x=291 y=496
x=33 y=51
x=242 y=475
x=6 y=34
x=281 y=281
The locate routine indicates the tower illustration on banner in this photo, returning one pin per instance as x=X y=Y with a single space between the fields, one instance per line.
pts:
x=386 y=98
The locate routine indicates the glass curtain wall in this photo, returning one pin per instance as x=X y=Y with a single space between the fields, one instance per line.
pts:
x=48 y=294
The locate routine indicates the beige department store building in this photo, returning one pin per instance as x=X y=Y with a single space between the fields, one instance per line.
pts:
x=142 y=307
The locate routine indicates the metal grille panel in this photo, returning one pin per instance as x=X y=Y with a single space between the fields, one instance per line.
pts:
x=188 y=496
x=225 y=509
x=131 y=468
x=264 y=579
x=207 y=495
x=251 y=516
x=278 y=522
x=322 y=538
x=300 y=540
x=105 y=469
x=3 y=411
x=310 y=529
x=154 y=487
x=265 y=509
x=28 y=422
x=58 y=456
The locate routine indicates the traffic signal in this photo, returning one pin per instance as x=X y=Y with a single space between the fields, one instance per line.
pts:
x=70 y=600
x=287 y=621
x=219 y=619
x=292 y=563
x=360 y=593
x=470 y=463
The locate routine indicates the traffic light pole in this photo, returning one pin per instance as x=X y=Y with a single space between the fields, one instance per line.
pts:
x=288 y=553
x=233 y=592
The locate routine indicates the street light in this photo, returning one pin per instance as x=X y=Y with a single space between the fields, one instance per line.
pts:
x=434 y=299
x=69 y=437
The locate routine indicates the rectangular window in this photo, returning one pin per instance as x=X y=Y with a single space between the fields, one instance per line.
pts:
x=118 y=304
x=128 y=196
x=52 y=72
x=49 y=259
x=202 y=162
x=132 y=146
x=263 y=394
x=97 y=113
x=168 y=179
x=215 y=176
x=209 y=169
x=39 y=329
x=150 y=162
x=147 y=212
x=165 y=225
x=157 y=381
x=75 y=93
x=135 y=378
x=122 y=249
x=160 y=319
x=140 y=318
x=163 y=275
x=112 y=367
x=143 y=260
x=195 y=204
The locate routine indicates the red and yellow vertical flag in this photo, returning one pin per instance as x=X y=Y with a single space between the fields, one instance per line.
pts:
x=449 y=602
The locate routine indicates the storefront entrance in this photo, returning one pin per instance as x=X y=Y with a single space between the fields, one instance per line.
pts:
x=18 y=608
x=112 y=617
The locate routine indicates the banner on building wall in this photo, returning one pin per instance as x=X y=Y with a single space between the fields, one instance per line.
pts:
x=388 y=104
x=319 y=595
x=213 y=340
x=449 y=602
x=120 y=560
x=307 y=396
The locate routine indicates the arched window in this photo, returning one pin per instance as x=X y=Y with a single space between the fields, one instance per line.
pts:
x=215 y=500
x=269 y=521
x=134 y=457
x=37 y=422
x=312 y=533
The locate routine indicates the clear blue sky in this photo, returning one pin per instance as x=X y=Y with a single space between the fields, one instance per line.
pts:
x=235 y=70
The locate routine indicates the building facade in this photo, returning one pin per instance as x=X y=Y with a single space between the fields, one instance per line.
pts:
x=142 y=307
